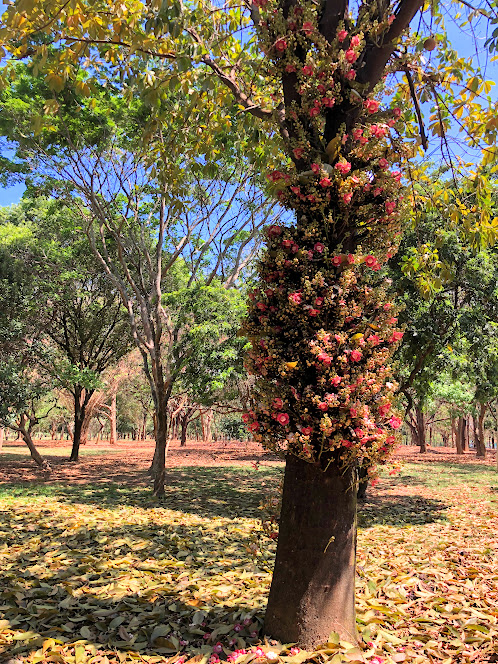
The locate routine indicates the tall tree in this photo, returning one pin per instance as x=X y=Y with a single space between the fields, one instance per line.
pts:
x=313 y=73
x=78 y=312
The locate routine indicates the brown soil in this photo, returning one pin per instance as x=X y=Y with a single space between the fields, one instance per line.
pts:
x=127 y=462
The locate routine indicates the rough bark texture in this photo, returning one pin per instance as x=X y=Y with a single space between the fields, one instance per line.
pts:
x=159 y=463
x=421 y=430
x=479 y=432
x=113 y=437
x=25 y=432
x=362 y=483
x=460 y=435
x=312 y=591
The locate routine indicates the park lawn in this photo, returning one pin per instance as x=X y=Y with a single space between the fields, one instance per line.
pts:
x=101 y=573
x=15 y=452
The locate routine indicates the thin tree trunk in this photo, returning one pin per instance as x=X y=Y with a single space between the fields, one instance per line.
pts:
x=421 y=430
x=35 y=455
x=312 y=591
x=159 y=462
x=112 y=420
x=2 y=434
x=460 y=435
x=479 y=432
x=466 y=434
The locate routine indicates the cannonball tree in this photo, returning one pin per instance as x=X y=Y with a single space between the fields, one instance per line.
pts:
x=340 y=94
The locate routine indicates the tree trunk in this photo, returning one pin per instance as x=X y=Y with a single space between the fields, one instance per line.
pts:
x=2 y=434
x=206 y=424
x=35 y=455
x=460 y=435
x=421 y=430
x=479 y=432
x=158 y=466
x=183 y=437
x=466 y=433
x=362 y=483
x=112 y=420
x=312 y=591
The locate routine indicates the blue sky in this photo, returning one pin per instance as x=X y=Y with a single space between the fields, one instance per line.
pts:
x=463 y=42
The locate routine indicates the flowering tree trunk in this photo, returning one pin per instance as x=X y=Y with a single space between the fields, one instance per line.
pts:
x=312 y=592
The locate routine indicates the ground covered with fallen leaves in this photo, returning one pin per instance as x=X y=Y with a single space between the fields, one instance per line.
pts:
x=94 y=571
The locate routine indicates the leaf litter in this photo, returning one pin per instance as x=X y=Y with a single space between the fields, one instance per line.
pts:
x=92 y=584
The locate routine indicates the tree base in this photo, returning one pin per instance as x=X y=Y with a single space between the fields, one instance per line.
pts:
x=312 y=591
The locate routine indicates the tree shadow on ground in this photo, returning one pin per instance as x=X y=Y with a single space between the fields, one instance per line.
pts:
x=128 y=588
x=222 y=491
x=400 y=511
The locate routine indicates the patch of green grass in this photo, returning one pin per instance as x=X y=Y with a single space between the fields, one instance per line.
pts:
x=435 y=474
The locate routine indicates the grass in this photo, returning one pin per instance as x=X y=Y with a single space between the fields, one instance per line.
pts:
x=100 y=573
x=17 y=452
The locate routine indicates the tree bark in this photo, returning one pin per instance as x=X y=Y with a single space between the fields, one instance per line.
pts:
x=362 y=483
x=460 y=435
x=35 y=455
x=421 y=430
x=206 y=424
x=159 y=462
x=2 y=434
x=479 y=432
x=312 y=591
x=112 y=420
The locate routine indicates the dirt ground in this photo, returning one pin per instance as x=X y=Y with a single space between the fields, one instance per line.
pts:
x=127 y=461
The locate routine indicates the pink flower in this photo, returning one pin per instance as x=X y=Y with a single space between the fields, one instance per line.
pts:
x=383 y=410
x=396 y=336
x=350 y=258
x=341 y=35
x=323 y=405
x=343 y=167
x=326 y=359
x=306 y=431
x=325 y=182
x=356 y=355
x=351 y=75
x=254 y=426
x=357 y=133
x=206 y=636
x=391 y=19
x=383 y=163
x=319 y=247
x=337 y=260
x=294 y=651
x=328 y=102
x=395 y=422
x=315 y=168
x=217 y=648
x=278 y=403
x=351 y=56
x=295 y=248
x=307 y=70
x=359 y=432
x=347 y=197
x=336 y=380
x=290 y=69
x=295 y=298
x=353 y=412
x=283 y=419
x=390 y=206
x=370 y=261
x=313 y=112
x=308 y=27
x=372 y=105
x=396 y=175
x=374 y=339
x=346 y=443
x=313 y=312
x=298 y=152
x=287 y=244
x=378 y=191
x=296 y=190
x=355 y=41
x=281 y=44
x=259 y=652
x=397 y=112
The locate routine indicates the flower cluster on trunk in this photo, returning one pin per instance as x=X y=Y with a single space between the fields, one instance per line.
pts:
x=322 y=326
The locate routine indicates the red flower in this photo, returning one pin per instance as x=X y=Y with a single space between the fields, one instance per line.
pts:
x=319 y=301
x=278 y=403
x=315 y=168
x=347 y=197
x=313 y=312
x=295 y=298
x=281 y=44
x=306 y=431
x=308 y=27
x=298 y=152
x=319 y=247
x=343 y=167
x=395 y=422
x=323 y=405
x=350 y=258
x=336 y=380
x=370 y=261
x=307 y=70
x=355 y=41
x=356 y=355
x=325 y=182
x=351 y=56
x=337 y=260
x=313 y=112
x=372 y=105
x=283 y=419
x=328 y=102
x=254 y=426
x=341 y=35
